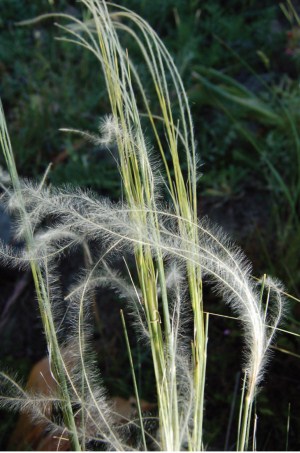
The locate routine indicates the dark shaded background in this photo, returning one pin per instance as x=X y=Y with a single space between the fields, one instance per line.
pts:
x=250 y=153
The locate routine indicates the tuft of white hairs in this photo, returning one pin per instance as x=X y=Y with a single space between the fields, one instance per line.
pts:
x=106 y=230
x=116 y=230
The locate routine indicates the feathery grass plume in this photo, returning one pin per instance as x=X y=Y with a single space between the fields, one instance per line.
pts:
x=140 y=188
x=172 y=251
x=114 y=229
x=42 y=295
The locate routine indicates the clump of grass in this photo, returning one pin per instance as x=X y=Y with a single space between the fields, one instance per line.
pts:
x=173 y=253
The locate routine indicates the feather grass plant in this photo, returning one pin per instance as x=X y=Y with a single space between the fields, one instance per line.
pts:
x=173 y=252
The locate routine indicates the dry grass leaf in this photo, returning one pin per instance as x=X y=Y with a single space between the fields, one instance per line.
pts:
x=33 y=435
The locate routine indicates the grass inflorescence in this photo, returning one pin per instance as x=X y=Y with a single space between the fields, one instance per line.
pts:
x=155 y=225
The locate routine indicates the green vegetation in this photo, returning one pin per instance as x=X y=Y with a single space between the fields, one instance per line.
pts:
x=246 y=125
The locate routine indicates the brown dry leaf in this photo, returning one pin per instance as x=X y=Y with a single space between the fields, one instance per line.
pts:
x=29 y=434
x=127 y=409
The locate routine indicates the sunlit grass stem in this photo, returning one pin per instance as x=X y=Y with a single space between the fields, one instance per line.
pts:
x=41 y=291
x=155 y=235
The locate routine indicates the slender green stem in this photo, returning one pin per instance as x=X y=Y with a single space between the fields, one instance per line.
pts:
x=241 y=413
x=134 y=380
x=288 y=427
x=247 y=412
x=42 y=296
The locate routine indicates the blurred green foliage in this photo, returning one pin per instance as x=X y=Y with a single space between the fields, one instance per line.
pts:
x=240 y=65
